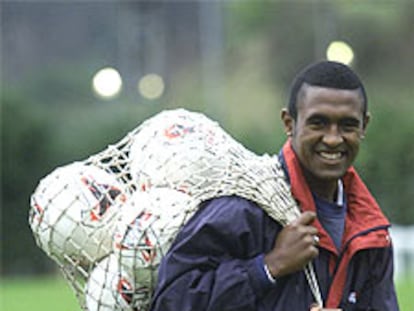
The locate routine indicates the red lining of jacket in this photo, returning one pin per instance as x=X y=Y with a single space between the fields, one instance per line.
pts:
x=363 y=215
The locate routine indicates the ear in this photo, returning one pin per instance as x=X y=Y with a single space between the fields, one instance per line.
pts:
x=288 y=121
x=367 y=117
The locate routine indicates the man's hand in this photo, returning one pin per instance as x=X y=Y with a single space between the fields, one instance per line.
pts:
x=294 y=247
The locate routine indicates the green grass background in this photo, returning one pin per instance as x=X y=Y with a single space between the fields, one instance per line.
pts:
x=54 y=294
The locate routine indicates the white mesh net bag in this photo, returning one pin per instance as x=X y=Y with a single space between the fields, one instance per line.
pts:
x=166 y=167
x=188 y=152
x=73 y=208
x=73 y=211
x=148 y=224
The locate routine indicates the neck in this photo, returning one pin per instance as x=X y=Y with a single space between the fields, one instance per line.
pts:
x=325 y=189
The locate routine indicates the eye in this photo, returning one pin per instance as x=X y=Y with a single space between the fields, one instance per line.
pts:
x=317 y=122
x=350 y=125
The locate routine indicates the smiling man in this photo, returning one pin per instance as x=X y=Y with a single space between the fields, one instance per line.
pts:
x=232 y=256
x=326 y=120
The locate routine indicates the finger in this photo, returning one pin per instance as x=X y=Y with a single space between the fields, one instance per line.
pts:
x=311 y=239
x=313 y=252
x=306 y=218
x=315 y=308
x=315 y=240
x=309 y=230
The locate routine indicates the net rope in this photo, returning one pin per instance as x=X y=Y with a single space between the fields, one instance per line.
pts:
x=183 y=151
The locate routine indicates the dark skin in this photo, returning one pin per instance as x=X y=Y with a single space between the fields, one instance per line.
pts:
x=325 y=136
x=294 y=246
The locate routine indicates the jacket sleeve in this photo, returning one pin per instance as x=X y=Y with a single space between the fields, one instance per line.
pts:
x=216 y=261
x=384 y=295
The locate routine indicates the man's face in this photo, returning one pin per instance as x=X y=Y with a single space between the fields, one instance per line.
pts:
x=328 y=130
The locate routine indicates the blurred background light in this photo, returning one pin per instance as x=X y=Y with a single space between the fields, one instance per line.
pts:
x=151 y=86
x=107 y=83
x=341 y=52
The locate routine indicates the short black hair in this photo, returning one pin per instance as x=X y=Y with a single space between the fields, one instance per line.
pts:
x=325 y=74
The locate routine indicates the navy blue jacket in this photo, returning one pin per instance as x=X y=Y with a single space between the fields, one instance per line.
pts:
x=216 y=261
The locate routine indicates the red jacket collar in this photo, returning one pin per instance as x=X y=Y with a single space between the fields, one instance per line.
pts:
x=363 y=212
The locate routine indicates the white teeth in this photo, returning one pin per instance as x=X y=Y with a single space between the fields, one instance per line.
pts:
x=330 y=156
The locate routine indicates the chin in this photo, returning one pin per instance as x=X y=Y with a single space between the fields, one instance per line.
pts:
x=329 y=173
x=329 y=176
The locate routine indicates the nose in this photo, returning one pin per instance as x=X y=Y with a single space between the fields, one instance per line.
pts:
x=332 y=137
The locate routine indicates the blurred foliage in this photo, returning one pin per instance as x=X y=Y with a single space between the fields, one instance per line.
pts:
x=51 y=117
x=386 y=161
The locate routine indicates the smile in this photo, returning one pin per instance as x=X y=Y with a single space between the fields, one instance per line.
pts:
x=331 y=155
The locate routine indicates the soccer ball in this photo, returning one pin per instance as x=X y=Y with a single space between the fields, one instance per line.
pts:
x=74 y=210
x=180 y=150
x=147 y=226
x=111 y=288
